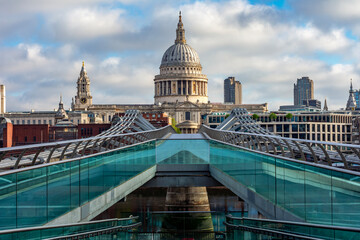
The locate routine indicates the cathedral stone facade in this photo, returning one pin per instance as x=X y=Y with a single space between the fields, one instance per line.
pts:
x=180 y=77
x=180 y=90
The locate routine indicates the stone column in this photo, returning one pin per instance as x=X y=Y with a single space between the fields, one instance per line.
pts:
x=187 y=199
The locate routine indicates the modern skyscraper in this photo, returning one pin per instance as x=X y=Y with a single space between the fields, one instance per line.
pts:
x=303 y=90
x=232 y=91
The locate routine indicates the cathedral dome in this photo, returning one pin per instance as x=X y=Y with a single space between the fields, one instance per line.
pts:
x=180 y=79
x=179 y=54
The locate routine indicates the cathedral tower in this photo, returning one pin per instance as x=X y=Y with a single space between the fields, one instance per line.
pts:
x=83 y=98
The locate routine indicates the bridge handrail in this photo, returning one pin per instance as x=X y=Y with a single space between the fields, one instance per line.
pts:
x=286 y=138
x=269 y=232
x=84 y=235
x=308 y=150
x=306 y=224
x=43 y=153
x=60 y=143
x=65 y=225
x=62 y=231
x=308 y=230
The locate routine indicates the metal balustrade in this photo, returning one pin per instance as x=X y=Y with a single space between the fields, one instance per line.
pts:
x=237 y=227
x=22 y=156
x=345 y=155
x=73 y=230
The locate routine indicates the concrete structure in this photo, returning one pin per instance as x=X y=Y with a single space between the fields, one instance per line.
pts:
x=2 y=99
x=303 y=90
x=232 y=91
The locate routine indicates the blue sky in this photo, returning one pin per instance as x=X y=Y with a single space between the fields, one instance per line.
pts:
x=265 y=44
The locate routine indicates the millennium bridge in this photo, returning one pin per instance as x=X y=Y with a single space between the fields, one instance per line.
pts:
x=301 y=189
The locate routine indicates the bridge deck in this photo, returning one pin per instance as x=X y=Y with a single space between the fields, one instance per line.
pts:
x=318 y=194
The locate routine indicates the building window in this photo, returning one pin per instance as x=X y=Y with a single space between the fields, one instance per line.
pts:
x=44 y=121
x=25 y=139
x=34 y=138
x=286 y=128
x=39 y=121
x=34 y=121
x=295 y=128
x=17 y=121
x=28 y=121
x=50 y=122
x=187 y=115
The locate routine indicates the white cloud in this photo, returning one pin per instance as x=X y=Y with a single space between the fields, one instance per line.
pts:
x=263 y=47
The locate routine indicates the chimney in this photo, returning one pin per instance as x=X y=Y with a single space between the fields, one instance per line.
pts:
x=2 y=99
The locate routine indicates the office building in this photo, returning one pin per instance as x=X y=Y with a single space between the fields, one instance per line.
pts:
x=303 y=90
x=232 y=91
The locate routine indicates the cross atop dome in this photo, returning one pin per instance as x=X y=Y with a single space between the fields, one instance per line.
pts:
x=180 y=32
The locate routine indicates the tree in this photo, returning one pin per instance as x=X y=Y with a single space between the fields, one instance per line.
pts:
x=272 y=116
x=255 y=116
x=173 y=124
x=227 y=115
x=289 y=116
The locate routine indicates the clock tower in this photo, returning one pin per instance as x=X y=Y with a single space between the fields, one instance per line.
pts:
x=83 y=98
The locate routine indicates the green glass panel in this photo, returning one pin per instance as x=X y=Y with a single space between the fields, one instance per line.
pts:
x=8 y=201
x=32 y=197
x=58 y=190
x=318 y=195
x=345 y=199
x=84 y=181
x=96 y=177
x=75 y=184
x=182 y=152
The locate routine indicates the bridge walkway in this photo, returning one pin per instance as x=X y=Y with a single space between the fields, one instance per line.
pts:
x=79 y=189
